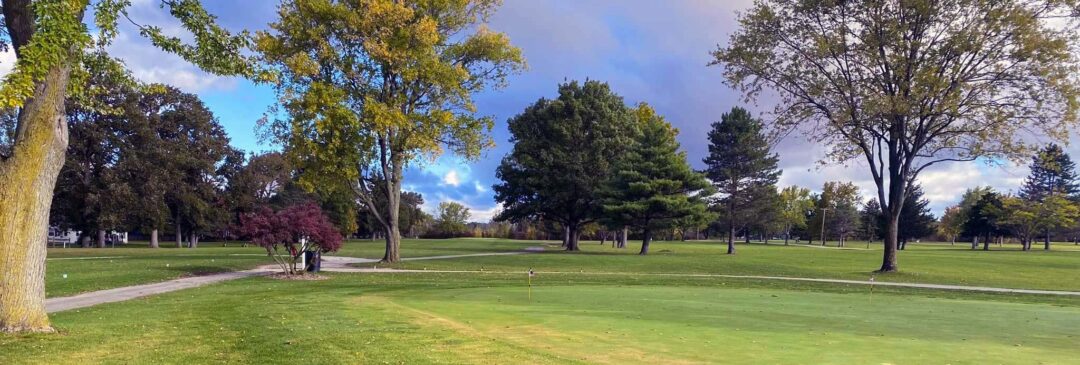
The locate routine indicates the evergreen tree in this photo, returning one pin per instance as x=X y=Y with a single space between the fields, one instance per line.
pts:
x=916 y=221
x=985 y=220
x=653 y=187
x=564 y=150
x=871 y=221
x=1052 y=172
x=742 y=167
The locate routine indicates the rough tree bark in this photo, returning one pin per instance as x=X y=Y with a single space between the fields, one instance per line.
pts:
x=154 y=239
x=100 y=238
x=27 y=180
x=646 y=238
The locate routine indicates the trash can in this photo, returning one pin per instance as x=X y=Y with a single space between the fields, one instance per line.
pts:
x=314 y=261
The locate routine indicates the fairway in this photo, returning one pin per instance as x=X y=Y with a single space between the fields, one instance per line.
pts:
x=488 y=318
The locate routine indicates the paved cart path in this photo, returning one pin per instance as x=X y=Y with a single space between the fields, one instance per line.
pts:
x=330 y=263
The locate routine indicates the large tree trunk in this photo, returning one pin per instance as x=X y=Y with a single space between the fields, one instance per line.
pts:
x=622 y=240
x=27 y=180
x=193 y=240
x=645 y=240
x=892 y=230
x=154 y=239
x=572 y=238
x=731 y=240
x=1046 y=242
x=100 y=238
x=566 y=236
x=986 y=244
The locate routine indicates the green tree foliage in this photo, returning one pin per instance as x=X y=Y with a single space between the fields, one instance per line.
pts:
x=985 y=219
x=871 y=221
x=563 y=155
x=841 y=211
x=951 y=224
x=1052 y=173
x=742 y=168
x=1026 y=219
x=794 y=203
x=451 y=219
x=916 y=221
x=905 y=85
x=372 y=86
x=653 y=187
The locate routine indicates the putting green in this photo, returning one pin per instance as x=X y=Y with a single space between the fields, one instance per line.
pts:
x=651 y=324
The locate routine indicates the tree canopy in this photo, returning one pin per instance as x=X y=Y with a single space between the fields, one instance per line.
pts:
x=653 y=186
x=742 y=167
x=905 y=85
x=371 y=86
x=564 y=152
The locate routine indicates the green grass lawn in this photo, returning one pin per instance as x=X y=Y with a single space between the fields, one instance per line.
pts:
x=923 y=263
x=489 y=318
x=90 y=269
x=575 y=316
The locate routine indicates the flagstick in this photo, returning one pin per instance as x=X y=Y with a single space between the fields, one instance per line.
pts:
x=871 y=290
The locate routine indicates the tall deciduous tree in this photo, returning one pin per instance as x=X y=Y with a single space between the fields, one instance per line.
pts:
x=51 y=40
x=951 y=224
x=841 y=210
x=372 y=86
x=794 y=204
x=564 y=150
x=653 y=187
x=905 y=85
x=742 y=167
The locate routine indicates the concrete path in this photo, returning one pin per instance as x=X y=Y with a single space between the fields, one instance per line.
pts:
x=330 y=263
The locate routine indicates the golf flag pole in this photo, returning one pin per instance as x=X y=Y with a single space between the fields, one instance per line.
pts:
x=871 y=290
x=531 y=274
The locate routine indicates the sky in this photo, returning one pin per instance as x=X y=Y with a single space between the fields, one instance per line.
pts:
x=648 y=51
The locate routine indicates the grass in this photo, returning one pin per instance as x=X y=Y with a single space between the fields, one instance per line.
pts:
x=89 y=269
x=578 y=315
x=489 y=318
x=921 y=263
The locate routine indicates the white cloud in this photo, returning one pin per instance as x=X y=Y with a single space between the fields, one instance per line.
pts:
x=451 y=178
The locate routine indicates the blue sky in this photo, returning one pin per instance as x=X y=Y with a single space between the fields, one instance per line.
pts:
x=652 y=51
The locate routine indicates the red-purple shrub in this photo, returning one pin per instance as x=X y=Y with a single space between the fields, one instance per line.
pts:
x=286 y=234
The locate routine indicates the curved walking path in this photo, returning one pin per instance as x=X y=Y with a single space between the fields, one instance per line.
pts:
x=342 y=264
x=330 y=263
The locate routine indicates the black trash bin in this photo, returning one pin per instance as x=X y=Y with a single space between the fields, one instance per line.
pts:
x=313 y=260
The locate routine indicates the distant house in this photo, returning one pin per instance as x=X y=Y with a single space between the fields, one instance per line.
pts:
x=65 y=237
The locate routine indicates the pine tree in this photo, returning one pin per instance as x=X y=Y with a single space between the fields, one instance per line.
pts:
x=1052 y=172
x=653 y=187
x=916 y=221
x=741 y=166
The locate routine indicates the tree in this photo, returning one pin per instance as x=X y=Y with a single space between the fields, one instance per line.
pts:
x=916 y=221
x=1026 y=218
x=1052 y=173
x=905 y=85
x=842 y=210
x=564 y=150
x=653 y=187
x=986 y=219
x=452 y=219
x=413 y=217
x=92 y=194
x=289 y=233
x=951 y=223
x=741 y=166
x=374 y=85
x=51 y=43
x=871 y=221
x=794 y=203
